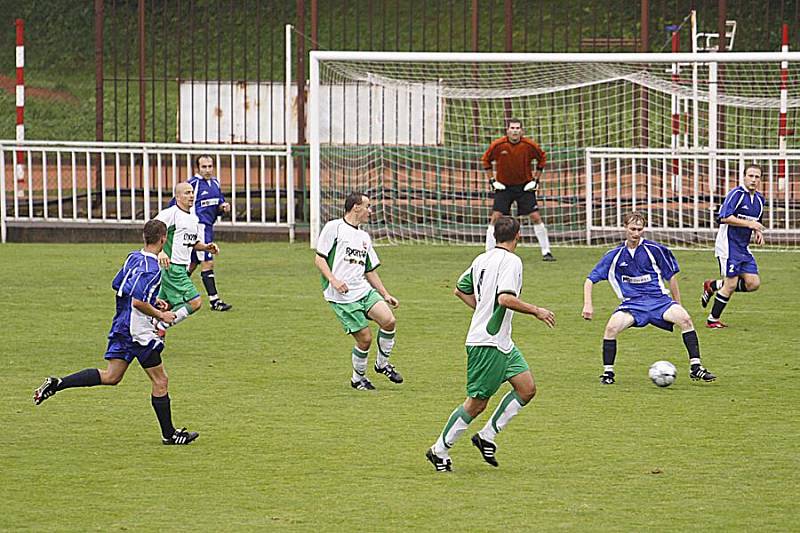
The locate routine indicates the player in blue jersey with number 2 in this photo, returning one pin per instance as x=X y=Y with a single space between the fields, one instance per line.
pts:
x=639 y=271
x=133 y=335
x=209 y=204
x=739 y=219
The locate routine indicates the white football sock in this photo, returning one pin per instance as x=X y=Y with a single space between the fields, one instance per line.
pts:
x=385 y=345
x=359 y=364
x=490 y=242
x=456 y=425
x=541 y=235
x=507 y=409
x=181 y=314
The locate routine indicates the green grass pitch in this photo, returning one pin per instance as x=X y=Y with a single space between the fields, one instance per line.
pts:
x=286 y=444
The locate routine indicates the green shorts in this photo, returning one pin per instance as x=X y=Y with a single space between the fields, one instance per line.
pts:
x=176 y=286
x=488 y=368
x=353 y=316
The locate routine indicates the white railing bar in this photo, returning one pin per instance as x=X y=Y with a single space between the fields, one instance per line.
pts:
x=167 y=147
x=30 y=185
x=44 y=186
x=247 y=185
x=233 y=188
x=58 y=180
x=103 y=188
x=132 y=180
x=262 y=184
x=158 y=181
x=118 y=186
x=602 y=186
x=146 y=184
x=276 y=177
x=88 y=186
x=74 y=187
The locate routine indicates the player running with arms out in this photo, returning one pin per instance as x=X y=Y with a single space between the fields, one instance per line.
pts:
x=209 y=204
x=508 y=163
x=491 y=286
x=347 y=261
x=637 y=270
x=183 y=236
x=740 y=217
x=133 y=335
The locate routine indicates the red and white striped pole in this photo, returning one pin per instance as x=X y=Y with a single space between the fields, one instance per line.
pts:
x=782 y=126
x=676 y=110
x=19 y=170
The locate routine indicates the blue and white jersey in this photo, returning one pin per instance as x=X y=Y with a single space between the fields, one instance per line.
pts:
x=139 y=278
x=207 y=199
x=733 y=241
x=643 y=272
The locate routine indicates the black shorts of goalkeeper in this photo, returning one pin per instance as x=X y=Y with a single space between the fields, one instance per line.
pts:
x=526 y=200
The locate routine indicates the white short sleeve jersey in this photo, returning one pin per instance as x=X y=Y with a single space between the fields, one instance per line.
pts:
x=491 y=274
x=349 y=253
x=182 y=234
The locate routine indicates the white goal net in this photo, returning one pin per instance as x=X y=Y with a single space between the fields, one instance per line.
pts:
x=664 y=133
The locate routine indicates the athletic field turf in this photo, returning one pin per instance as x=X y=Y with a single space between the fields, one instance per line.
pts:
x=285 y=443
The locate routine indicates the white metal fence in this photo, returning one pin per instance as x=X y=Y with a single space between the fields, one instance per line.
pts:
x=129 y=183
x=681 y=191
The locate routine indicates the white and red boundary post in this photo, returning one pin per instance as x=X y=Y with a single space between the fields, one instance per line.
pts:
x=783 y=130
x=675 y=108
x=19 y=169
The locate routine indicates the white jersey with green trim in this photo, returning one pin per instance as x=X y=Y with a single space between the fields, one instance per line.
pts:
x=182 y=234
x=491 y=274
x=349 y=253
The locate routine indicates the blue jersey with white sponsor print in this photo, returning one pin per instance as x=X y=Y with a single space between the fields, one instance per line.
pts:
x=139 y=278
x=643 y=272
x=207 y=199
x=732 y=241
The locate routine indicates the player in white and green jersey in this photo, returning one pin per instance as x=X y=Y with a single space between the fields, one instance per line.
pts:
x=183 y=232
x=491 y=286
x=347 y=261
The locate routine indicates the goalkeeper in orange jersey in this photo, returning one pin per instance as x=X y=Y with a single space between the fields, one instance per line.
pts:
x=508 y=162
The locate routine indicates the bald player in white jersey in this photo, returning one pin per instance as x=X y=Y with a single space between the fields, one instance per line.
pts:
x=347 y=261
x=491 y=286
x=183 y=236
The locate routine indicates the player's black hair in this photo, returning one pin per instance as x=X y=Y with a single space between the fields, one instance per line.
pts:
x=753 y=165
x=506 y=229
x=513 y=120
x=199 y=157
x=153 y=231
x=634 y=216
x=353 y=199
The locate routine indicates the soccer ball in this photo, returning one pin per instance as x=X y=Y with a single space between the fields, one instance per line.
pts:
x=663 y=373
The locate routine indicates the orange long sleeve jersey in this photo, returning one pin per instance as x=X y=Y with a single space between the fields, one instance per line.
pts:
x=514 y=160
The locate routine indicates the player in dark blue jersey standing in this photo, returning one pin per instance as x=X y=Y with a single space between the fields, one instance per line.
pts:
x=209 y=204
x=133 y=335
x=739 y=220
x=638 y=271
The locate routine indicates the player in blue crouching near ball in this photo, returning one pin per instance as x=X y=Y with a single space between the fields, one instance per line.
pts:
x=133 y=335
x=638 y=271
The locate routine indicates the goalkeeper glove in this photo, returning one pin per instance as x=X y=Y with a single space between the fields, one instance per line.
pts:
x=496 y=185
x=531 y=186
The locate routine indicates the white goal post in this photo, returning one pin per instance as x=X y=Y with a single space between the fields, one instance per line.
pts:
x=667 y=133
